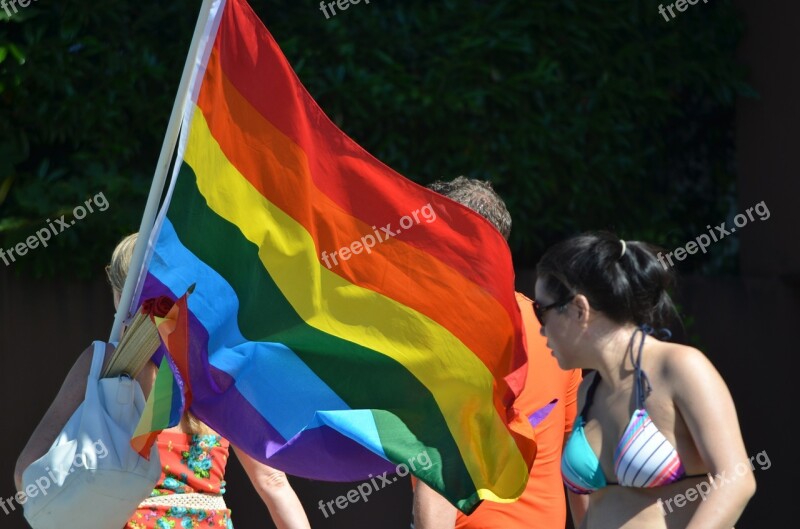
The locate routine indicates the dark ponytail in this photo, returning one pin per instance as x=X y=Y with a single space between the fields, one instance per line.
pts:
x=624 y=281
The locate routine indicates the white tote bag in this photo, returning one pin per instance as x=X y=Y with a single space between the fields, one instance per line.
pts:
x=91 y=478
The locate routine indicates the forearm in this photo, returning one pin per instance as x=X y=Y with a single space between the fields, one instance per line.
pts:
x=722 y=508
x=578 y=504
x=431 y=510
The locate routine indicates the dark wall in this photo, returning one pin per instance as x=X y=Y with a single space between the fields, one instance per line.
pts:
x=767 y=135
x=742 y=326
x=749 y=321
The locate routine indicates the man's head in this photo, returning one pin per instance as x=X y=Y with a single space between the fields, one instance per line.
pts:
x=478 y=196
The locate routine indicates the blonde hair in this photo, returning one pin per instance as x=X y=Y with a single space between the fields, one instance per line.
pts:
x=194 y=425
x=117 y=271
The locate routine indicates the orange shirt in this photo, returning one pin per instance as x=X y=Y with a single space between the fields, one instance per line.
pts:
x=543 y=504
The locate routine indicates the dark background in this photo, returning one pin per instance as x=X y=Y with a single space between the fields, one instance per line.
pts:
x=741 y=300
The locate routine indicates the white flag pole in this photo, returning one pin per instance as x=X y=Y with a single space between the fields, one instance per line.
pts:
x=160 y=176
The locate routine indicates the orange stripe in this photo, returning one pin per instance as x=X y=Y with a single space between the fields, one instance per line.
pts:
x=259 y=151
x=255 y=65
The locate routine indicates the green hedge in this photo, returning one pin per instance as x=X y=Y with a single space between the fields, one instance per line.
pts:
x=583 y=116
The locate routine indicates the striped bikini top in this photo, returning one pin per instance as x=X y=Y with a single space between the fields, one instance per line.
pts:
x=642 y=458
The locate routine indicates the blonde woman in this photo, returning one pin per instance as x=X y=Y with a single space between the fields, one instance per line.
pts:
x=189 y=493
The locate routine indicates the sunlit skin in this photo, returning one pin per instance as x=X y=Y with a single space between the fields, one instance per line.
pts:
x=689 y=403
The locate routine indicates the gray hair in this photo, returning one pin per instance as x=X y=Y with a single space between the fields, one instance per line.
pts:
x=478 y=196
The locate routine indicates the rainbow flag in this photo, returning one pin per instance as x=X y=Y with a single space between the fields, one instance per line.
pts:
x=170 y=396
x=346 y=321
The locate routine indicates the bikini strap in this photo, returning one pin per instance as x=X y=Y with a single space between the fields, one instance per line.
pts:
x=642 y=387
x=590 y=394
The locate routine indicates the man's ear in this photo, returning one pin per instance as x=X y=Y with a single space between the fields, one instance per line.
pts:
x=583 y=307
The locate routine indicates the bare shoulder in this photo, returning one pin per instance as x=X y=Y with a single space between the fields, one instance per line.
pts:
x=84 y=361
x=678 y=358
x=109 y=353
x=686 y=368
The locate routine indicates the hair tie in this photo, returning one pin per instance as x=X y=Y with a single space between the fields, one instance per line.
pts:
x=624 y=247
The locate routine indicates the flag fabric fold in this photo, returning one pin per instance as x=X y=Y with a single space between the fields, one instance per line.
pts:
x=170 y=396
x=345 y=320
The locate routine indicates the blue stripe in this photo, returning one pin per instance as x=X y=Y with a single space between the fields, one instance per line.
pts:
x=268 y=375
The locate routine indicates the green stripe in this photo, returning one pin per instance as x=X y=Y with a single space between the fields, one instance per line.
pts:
x=399 y=448
x=357 y=374
x=163 y=390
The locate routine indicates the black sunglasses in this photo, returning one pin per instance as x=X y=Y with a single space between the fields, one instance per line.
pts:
x=539 y=310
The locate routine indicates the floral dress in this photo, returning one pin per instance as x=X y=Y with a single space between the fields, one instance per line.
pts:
x=191 y=464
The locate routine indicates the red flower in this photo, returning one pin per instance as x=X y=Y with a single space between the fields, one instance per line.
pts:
x=157 y=307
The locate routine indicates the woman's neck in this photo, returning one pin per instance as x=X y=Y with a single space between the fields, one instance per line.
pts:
x=612 y=358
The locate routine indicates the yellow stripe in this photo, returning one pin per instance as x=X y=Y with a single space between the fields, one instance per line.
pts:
x=329 y=303
x=145 y=425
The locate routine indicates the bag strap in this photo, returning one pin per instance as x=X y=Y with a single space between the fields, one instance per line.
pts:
x=98 y=356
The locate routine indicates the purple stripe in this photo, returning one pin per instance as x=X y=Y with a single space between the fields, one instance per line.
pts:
x=319 y=453
x=325 y=454
x=539 y=415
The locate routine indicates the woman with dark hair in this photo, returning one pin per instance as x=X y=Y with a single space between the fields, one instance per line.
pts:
x=656 y=420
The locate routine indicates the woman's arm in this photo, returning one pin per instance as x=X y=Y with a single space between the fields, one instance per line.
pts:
x=576 y=396
x=284 y=506
x=578 y=506
x=431 y=510
x=69 y=397
x=706 y=405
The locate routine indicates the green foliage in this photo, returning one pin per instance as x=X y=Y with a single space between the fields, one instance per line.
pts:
x=583 y=115
x=85 y=94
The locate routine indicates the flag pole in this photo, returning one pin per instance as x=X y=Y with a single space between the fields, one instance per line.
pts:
x=160 y=176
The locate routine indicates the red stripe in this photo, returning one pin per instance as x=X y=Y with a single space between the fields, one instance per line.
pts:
x=644 y=422
x=466 y=242
x=274 y=166
x=666 y=473
x=174 y=331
